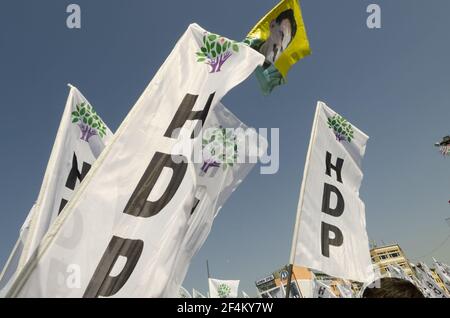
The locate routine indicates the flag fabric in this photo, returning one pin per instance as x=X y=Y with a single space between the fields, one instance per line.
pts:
x=345 y=291
x=81 y=137
x=197 y=294
x=281 y=37
x=134 y=206
x=10 y=268
x=183 y=293
x=444 y=273
x=223 y=288
x=322 y=291
x=429 y=286
x=396 y=271
x=244 y=294
x=330 y=234
x=219 y=177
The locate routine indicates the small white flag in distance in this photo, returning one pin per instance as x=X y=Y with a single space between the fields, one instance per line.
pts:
x=223 y=288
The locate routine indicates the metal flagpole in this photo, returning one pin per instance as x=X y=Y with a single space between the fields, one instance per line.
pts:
x=300 y=202
x=207 y=269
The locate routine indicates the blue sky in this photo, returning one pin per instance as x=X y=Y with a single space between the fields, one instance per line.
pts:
x=392 y=83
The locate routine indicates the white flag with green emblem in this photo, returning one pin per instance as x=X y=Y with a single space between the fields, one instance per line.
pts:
x=330 y=234
x=223 y=288
x=81 y=137
x=133 y=209
x=230 y=150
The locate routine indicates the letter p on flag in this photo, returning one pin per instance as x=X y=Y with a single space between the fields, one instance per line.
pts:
x=330 y=231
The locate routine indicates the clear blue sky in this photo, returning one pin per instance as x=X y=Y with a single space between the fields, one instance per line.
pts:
x=392 y=83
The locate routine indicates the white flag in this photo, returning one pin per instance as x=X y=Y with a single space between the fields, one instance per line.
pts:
x=134 y=206
x=197 y=294
x=396 y=271
x=219 y=178
x=444 y=273
x=331 y=232
x=81 y=137
x=429 y=286
x=223 y=288
x=322 y=291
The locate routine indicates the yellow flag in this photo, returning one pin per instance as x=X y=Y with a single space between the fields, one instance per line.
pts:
x=281 y=37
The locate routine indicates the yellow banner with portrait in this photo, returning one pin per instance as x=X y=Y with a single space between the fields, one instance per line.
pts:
x=281 y=37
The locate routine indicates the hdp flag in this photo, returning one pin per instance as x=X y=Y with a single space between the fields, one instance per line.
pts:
x=82 y=135
x=133 y=210
x=331 y=234
x=281 y=37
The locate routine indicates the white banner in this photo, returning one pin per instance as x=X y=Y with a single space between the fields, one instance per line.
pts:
x=133 y=208
x=223 y=288
x=221 y=179
x=81 y=137
x=330 y=234
x=397 y=271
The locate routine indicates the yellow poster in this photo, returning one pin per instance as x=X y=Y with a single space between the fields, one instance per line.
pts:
x=281 y=37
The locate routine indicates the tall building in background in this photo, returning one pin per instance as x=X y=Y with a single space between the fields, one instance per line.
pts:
x=389 y=255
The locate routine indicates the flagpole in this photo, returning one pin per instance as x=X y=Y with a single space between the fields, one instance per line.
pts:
x=300 y=202
x=207 y=269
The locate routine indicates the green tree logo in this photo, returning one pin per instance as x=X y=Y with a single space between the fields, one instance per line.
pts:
x=216 y=50
x=89 y=122
x=342 y=128
x=219 y=147
x=223 y=290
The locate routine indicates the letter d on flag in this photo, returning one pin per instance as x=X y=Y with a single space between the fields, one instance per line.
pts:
x=330 y=233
